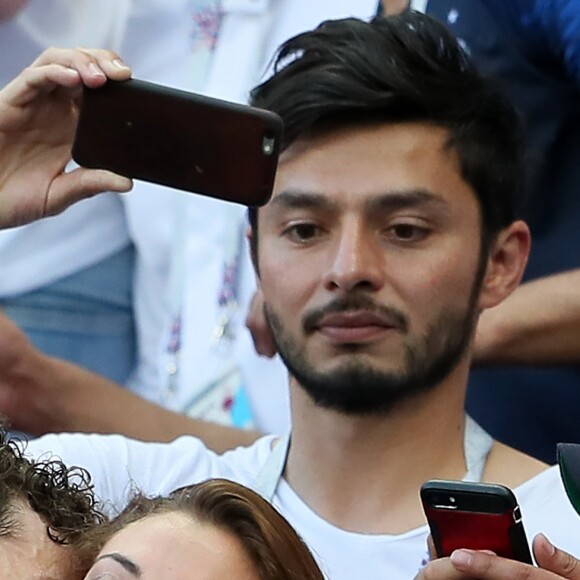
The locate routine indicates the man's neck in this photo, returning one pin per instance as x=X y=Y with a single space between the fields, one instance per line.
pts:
x=364 y=473
x=394 y=6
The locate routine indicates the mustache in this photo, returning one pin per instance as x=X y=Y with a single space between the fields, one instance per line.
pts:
x=354 y=303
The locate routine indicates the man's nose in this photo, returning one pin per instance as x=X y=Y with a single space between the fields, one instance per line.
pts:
x=357 y=260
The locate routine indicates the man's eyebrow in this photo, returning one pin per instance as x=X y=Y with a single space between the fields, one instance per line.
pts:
x=389 y=200
x=301 y=200
x=407 y=198
x=130 y=566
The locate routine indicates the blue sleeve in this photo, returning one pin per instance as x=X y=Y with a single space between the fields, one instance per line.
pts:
x=560 y=22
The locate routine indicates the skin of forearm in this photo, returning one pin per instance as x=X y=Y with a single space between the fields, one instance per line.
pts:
x=74 y=399
x=538 y=325
x=10 y=8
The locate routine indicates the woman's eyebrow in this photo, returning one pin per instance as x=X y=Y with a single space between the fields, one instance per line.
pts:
x=129 y=565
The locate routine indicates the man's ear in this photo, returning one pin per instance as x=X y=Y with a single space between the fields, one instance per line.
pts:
x=508 y=256
x=253 y=243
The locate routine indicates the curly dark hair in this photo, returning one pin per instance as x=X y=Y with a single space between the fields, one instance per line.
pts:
x=62 y=496
x=275 y=549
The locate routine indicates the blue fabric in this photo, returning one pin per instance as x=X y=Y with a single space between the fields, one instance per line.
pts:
x=532 y=47
x=559 y=21
x=85 y=318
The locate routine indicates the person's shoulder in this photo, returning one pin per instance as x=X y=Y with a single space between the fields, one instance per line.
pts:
x=62 y=445
x=115 y=458
x=152 y=467
x=545 y=508
x=119 y=465
x=244 y=463
x=540 y=482
x=259 y=449
x=511 y=467
x=543 y=501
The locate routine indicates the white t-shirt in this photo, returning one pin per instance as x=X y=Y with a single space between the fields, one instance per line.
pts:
x=119 y=465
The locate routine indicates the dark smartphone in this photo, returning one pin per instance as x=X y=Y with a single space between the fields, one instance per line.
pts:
x=179 y=139
x=476 y=516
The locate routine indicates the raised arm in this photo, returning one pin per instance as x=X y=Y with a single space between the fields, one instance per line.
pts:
x=41 y=394
x=539 y=324
x=38 y=116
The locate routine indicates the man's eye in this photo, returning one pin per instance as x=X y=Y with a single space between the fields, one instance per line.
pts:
x=409 y=232
x=302 y=232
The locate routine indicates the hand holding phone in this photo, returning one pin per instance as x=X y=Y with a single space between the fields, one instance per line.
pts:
x=38 y=116
x=475 y=516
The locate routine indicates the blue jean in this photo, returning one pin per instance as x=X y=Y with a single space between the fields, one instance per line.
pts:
x=85 y=318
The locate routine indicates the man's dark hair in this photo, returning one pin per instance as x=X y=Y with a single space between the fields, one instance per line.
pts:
x=403 y=68
x=62 y=496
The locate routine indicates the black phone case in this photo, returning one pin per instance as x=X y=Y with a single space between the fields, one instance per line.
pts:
x=475 y=516
x=179 y=139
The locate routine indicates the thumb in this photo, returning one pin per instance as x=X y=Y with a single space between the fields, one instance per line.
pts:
x=555 y=560
x=81 y=183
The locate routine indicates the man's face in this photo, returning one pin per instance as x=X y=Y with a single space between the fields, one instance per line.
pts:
x=30 y=553
x=369 y=257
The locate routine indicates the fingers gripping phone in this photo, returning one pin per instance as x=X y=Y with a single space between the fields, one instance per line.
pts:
x=476 y=516
x=182 y=140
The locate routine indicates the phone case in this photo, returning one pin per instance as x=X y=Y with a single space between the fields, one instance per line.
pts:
x=476 y=516
x=179 y=139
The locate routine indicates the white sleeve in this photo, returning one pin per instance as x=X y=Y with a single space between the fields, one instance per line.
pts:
x=119 y=466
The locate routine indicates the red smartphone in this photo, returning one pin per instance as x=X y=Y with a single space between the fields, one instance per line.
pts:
x=476 y=516
x=182 y=140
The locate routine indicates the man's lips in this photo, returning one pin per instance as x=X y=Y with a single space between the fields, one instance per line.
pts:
x=352 y=327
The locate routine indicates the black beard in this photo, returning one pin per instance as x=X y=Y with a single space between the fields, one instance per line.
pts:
x=357 y=388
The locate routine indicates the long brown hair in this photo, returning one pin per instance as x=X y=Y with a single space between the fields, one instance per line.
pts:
x=273 y=546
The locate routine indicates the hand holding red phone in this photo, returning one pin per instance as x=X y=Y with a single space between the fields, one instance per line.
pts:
x=554 y=564
x=38 y=117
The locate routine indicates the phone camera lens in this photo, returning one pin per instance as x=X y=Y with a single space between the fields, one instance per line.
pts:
x=268 y=145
